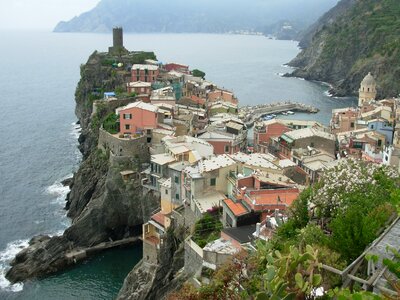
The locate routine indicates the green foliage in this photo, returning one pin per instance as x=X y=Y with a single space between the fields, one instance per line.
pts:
x=110 y=123
x=140 y=57
x=207 y=229
x=346 y=294
x=299 y=209
x=119 y=90
x=293 y=275
x=355 y=229
x=365 y=38
x=198 y=73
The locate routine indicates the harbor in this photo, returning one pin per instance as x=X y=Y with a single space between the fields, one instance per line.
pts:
x=251 y=114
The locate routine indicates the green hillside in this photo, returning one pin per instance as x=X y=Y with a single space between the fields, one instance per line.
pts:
x=363 y=38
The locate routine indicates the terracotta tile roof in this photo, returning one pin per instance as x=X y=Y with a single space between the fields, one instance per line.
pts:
x=260 y=200
x=236 y=208
x=198 y=99
x=159 y=218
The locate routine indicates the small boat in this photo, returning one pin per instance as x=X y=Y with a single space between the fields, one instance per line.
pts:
x=290 y=112
x=268 y=117
x=284 y=113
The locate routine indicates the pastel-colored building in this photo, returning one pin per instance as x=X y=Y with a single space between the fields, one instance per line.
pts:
x=138 y=117
x=146 y=73
x=343 y=119
x=164 y=95
x=265 y=131
x=139 y=87
x=177 y=67
x=222 y=95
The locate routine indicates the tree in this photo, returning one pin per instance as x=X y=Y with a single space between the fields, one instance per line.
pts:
x=198 y=73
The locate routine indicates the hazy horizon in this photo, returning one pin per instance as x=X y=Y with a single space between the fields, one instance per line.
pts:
x=40 y=14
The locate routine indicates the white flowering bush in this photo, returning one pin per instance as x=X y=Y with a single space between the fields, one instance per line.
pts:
x=354 y=181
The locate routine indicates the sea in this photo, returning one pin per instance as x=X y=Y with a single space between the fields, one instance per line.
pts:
x=39 y=72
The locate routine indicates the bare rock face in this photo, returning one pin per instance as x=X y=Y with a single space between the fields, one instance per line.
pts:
x=44 y=256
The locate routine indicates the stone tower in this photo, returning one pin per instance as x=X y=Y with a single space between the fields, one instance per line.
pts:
x=367 y=91
x=118 y=42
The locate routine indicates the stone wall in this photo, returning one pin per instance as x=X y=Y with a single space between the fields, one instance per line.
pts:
x=193 y=257
x=215 y=258
x=124 y=147
x=150 y=253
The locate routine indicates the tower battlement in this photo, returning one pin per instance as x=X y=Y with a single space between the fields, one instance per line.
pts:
x=118 y=41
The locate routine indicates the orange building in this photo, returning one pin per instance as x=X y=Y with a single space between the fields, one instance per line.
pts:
x=138 y=117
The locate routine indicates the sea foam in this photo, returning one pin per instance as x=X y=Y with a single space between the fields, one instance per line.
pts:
x=5 y=258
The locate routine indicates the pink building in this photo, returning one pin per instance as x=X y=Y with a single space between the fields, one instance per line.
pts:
x=146 y=73
x=177 y=67
x=222 y=95
x=138 y=117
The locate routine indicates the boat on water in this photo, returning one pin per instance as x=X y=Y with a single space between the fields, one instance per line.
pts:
x=290 y=112
x=268 y=117
x=284 y=113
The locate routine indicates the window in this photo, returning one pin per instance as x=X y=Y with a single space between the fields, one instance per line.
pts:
x=176 y=179
x=137 y=78
x=213 y=181
x=127 y=116
x=226 y=148
x=177 y=196
x=127 y=126
x=372 y=126
x=166 y=192
x=379 y=143
x=352 y=124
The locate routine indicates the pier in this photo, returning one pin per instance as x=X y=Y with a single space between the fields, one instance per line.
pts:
x=250 y=114
x=80 y=254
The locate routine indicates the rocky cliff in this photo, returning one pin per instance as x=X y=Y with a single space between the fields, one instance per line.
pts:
x=354 y=38
x=154 y=282
x=102 y=206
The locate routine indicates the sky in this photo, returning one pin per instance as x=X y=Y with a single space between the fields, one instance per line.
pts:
x=40 y=14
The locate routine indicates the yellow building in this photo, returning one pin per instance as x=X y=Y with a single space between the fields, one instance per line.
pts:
x=367 y=91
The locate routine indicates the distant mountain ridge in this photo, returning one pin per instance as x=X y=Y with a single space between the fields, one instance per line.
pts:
x=206 y=16
x=352 y=39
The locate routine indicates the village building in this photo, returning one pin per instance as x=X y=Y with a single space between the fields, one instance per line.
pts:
x=206 y=183
x=139 y=118
x=265 y=131
x=164 y=95
x=253 y=198
x=228 y=135
x=343 y=119
x=177 y=67
x=146 y=73
x=222 y=107
x=141 y=89
x=222 y=95
x=304 y=138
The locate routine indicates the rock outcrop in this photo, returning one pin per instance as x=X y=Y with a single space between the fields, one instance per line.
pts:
x=352 y=39
x=148 y=282
x=101 y=204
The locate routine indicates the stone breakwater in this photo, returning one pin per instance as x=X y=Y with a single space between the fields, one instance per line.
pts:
x=250 y=114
